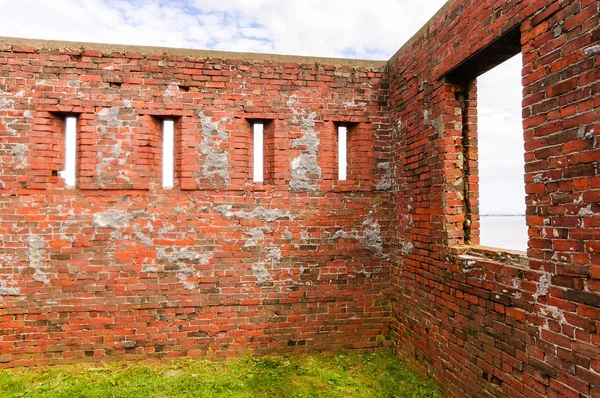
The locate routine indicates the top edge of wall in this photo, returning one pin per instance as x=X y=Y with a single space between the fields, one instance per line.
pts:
x=423 y=31
x=41 y=46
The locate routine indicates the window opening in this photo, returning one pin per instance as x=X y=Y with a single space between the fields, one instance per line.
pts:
x=342 y=152
x=69 y=173
x=501 y=157
x=258 y=152
x=168 y=154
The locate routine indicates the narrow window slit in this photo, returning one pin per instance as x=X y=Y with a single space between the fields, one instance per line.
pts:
x=258 y=151
x=342 y=152
x=168 y=154
x=69 y=172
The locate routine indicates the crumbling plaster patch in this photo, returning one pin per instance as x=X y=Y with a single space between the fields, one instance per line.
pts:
x=7 y=287
x=6 y=290
x=216 y=158
x=306 y=172
x=259 y=213
x=372 y=238
x=260 y=273
x=114 y=219
x=184 y=260
x=19 y=151
x=109 y=119
x=36 y=258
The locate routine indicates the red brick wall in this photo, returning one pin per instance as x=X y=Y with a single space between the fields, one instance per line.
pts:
x=218 y=266
x=483 y=322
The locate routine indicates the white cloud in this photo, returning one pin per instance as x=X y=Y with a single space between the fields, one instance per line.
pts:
x=500 y=129
x=332 y=28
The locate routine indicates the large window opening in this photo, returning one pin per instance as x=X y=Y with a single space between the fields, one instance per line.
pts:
x=501 y=157
x=489 y=90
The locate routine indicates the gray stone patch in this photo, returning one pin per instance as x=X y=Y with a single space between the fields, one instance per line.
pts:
x=383 y=185
x=6 y=103
x=363 y=271
x=183 y=274
x=112 y=219
x=149 y=266
x=306 y=172
x=355 y=104
x=173 y=90
x=19 y=151
x=585 y=211
x=259 y=213
x=216 y=161
x=542 y=287
x=141 y=237
x=166 y=229
x=8 y=291
x=110 y=119
x=290 y=103
x=468 y=266
x=304 y=236
x=274 y=255
x=386 y=182
x=256 y=235
x=288 y=234
x=182 y=255
x=555 y=313
x=36 y=258
x=406 y=248
x=182 y=258
x=260 y=273
x=340 y=234
x=592 y=51
x=516 y=283
x=371 y=238
x=438 y=125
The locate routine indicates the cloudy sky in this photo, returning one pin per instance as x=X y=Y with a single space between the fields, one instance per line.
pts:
x=372 y=29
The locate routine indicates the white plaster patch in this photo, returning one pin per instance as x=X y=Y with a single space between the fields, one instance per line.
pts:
x=259 y=213
x=543 y=286
x=216 y=158
x=260 y=273
x=36 y=258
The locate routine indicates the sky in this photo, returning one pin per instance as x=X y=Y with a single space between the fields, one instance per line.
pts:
x=373 y=29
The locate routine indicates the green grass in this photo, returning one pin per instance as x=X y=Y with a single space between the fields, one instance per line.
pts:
x=341 y=375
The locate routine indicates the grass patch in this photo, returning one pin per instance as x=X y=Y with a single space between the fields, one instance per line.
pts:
x=341 y=375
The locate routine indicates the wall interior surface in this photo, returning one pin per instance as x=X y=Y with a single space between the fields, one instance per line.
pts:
x=485 y=322
x=119 y=267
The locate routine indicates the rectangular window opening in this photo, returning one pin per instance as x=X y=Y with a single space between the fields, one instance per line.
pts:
x=258 y=151
x=501 y=157
x=69 y=173
x=342 y=152
x=168 y=154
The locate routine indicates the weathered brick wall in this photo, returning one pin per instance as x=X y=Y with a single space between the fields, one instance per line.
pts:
x=218 y=266
x=482 y=322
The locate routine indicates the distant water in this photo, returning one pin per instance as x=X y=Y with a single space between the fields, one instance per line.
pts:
x=504 y=231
